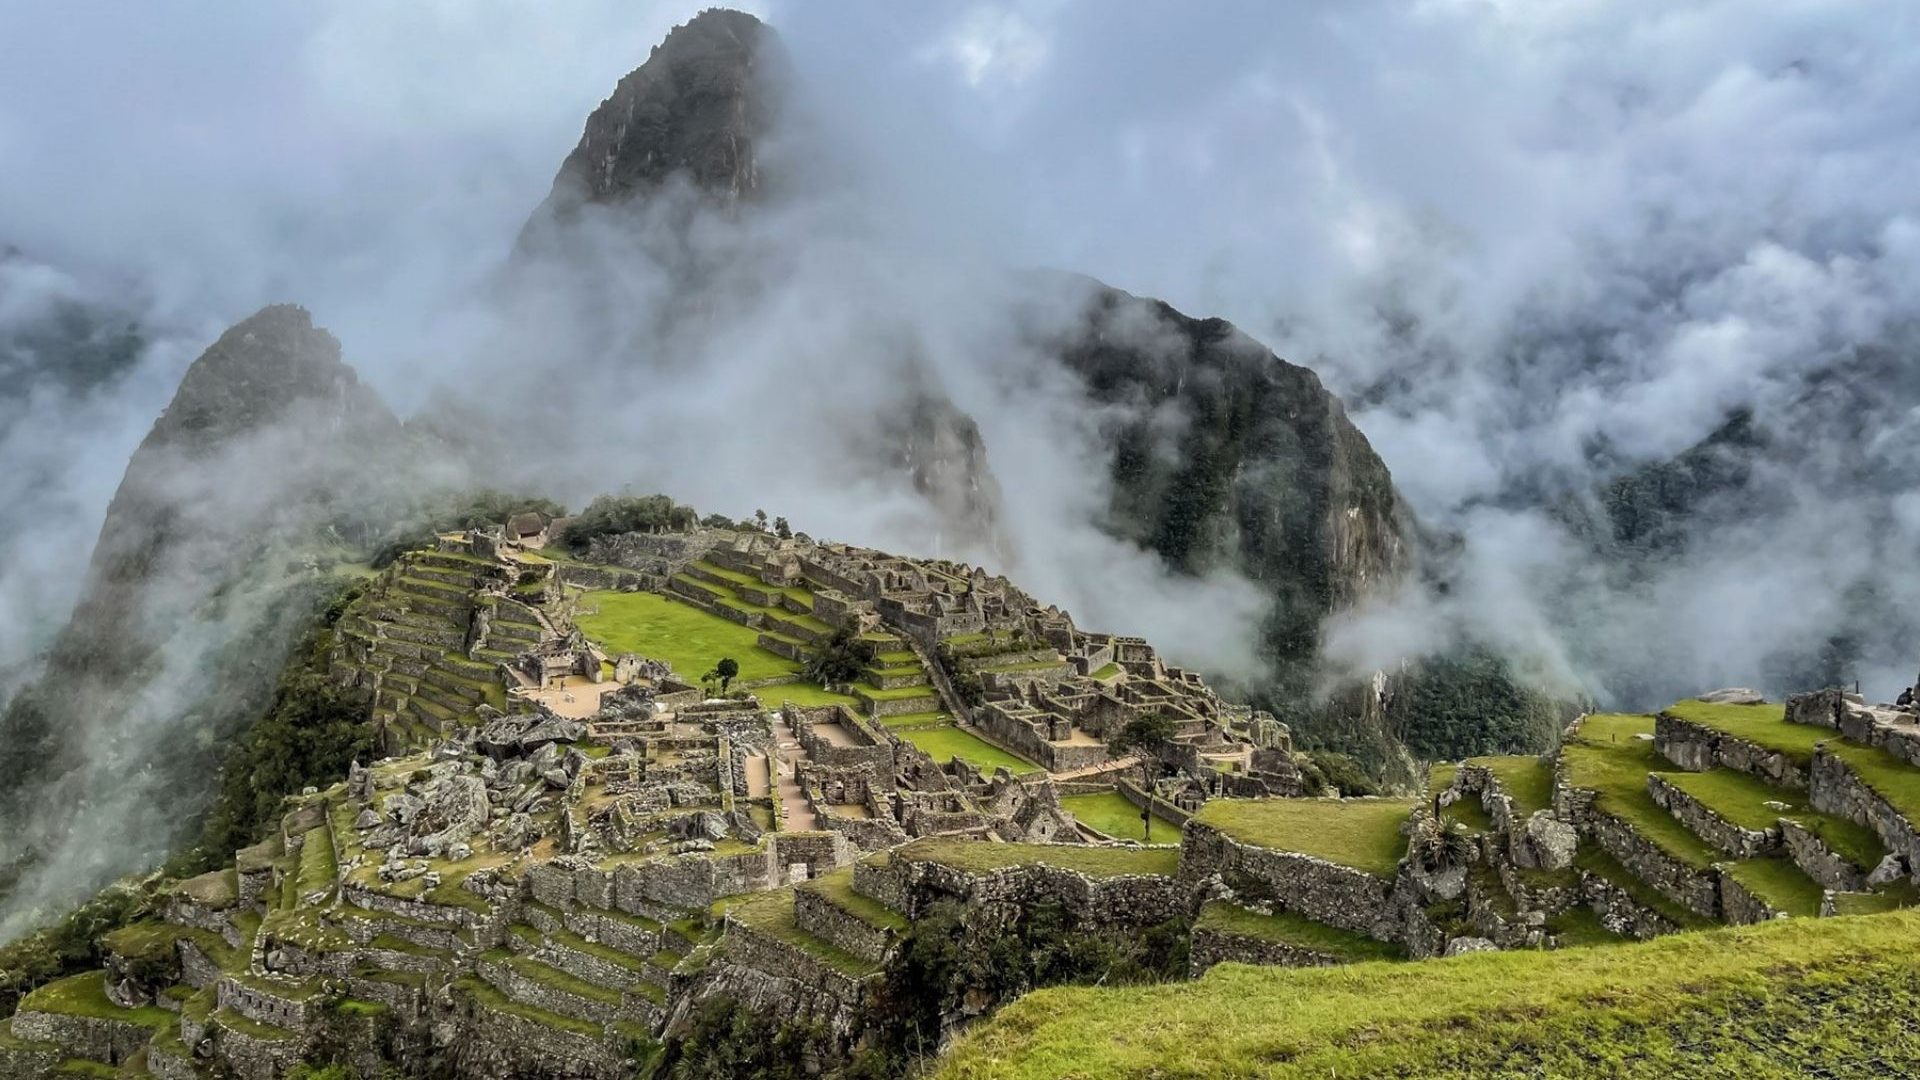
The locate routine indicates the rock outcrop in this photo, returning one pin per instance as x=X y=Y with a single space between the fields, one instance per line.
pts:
x=209 y=562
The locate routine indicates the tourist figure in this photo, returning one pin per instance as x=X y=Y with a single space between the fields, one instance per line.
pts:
x=1905 y=700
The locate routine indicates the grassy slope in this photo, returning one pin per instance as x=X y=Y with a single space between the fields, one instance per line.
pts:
x=1780 y=1000
x=691 y=641
x=1111 y=813
x=1608 y=757
x=943 y=744
x=1361 y=833
x=1528 y=781
x=688 y=639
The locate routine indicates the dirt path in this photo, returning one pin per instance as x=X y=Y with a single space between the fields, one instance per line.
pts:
x=799 y=815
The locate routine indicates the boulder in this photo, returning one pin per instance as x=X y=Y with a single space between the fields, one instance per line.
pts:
x=1470 y=944
x=1891 y=869
x=1549 y=843
x=1733 y=695
x=452 y=802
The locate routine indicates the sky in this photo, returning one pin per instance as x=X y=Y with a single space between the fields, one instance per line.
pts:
x=1502 y=230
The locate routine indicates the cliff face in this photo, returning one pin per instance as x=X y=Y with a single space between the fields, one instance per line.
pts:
x=1225 y=455
x=697 y=108
x=216 y=548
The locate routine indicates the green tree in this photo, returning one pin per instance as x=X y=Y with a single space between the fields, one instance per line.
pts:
x=725 y=671
x=782 y=529
x=1147 y=731
x=839 y=662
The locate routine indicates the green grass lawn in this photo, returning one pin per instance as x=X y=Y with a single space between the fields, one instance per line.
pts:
x=1291 y=928
x=689 y=640
x=86 y=995
x=1360 y=833
x=1793 y=998
x=1766 y=726
x=1528 y=781
x=1111 y=813
x=943 y=744
x=1606 y=757
x=1762 y=725
x=1780 y=883
x=1089 y=859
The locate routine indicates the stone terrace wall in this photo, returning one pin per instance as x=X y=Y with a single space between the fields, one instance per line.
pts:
x=1697 y=748
x=1336 y=895
x=1212 y=946
x=93 y=1038
x=498 y=1043
x=1695 y=890
x=1836 y=790
x=1703 y=822
x=1133 y=900
x=823 y=919
x=1812 y=855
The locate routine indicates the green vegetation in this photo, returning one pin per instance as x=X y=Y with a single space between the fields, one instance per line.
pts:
x=1528 y=781
x=490 y=998
x=1792 y=998
x=1606 y=757
x=71 y=945
x=85 y=994
x=1780 y=883
x=1742 y=800
x=1290 y=928
x=1111 y=813
x=610 y=515
x=682 y=635
x=1089 y=860
x=1451 y=707
x=943 y=744
x=1763 y=725
x=319 y=862
x=311 y=732
x=1592 y=859
x=1360 y=833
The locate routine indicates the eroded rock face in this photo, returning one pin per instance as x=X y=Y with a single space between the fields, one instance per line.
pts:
x=698 y=108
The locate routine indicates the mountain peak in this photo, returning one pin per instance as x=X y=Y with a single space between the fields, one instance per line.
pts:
x=697 y=107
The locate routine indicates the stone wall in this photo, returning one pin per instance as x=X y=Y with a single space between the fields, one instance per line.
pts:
x=1837 y=790
x=289 y=1010
x=1336 y=895
x=1134 y=900
x=93 y=1038
x=1740 y=907
x=823 y=919
x=496 y=1044
x=1812 y=855
x=1694 y=889
x=1697 y=748
x=249 y=1057
x=1702 y=821
x=1212 y=946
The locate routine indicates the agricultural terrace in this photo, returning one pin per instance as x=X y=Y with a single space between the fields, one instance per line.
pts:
x=1363 y=834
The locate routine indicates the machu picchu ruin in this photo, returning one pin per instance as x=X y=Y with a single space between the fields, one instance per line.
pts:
x=1444 y=637
x=575 y=833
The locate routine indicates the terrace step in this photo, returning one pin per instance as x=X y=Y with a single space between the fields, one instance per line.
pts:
x=530 y=982
x=1227 y=931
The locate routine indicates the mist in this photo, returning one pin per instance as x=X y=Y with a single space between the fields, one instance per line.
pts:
x=1534 y=247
